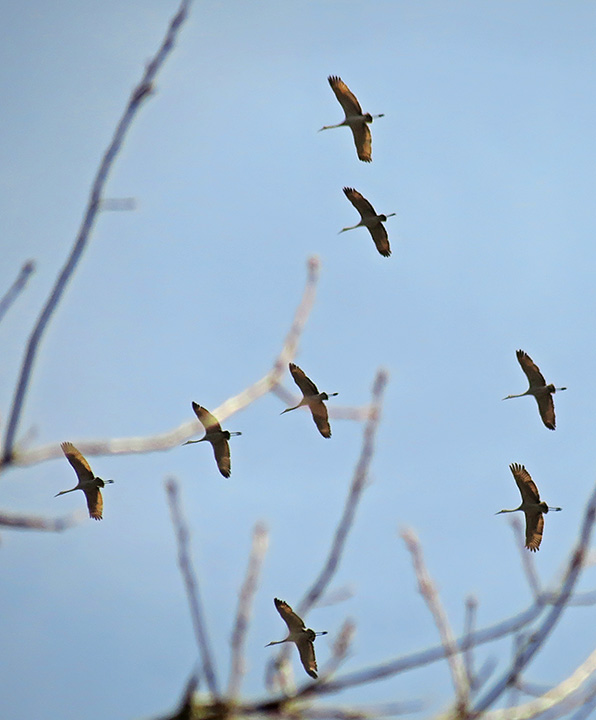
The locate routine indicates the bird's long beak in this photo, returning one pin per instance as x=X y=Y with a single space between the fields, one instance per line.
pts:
x=286 y=410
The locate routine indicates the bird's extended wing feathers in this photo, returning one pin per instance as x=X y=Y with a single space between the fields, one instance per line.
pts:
x=532 y=371
x=527 y=487
x=221 y=451
x=78 y=462
x=381 y=239
x=94 y=502
x=345 y=96
x=362 y=141
x=294 y=623
x=305 y=384
x=208 y=421
x=546 y=408
x=321 y=418
x=534 y=530
x=359 y=202
x=306 y=649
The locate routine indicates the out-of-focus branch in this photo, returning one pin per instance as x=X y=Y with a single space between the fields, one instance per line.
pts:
x=346 y=521
x=173 y=438
x=260 y=542
x=469 y=627
x=16 y=288
x=537 y=638
x=190 y=583
x=35 y=522
x=139 y=94
x=527 y=559
x=429 y=592
x=354 y=495
x=552 y=698
x=340 y=649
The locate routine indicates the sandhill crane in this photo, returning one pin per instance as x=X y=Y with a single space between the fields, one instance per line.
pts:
x=370 y=220
x=538 y=388
x=301 y=635
x=531 y=505
x=354 y=118
x=313 y=398
x=216 y=436
x=88 y=483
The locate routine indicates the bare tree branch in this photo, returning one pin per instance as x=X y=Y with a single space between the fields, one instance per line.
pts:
x=358 y=484
x=36 y=522
x=173 y=438
x=526 y=558
x=429 y=592
x=537 y=638
x=260 y=542
x=190 y=583
x=142 y=91
x=469 y=626
x=16 y=288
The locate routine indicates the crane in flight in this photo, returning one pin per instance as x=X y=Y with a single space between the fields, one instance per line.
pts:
x=370 y=220
x=88 y=482
x=216 y=436
x=301 y=635
x=354 y=118
x=313 y=398
x=531 y=505
x=538 y=388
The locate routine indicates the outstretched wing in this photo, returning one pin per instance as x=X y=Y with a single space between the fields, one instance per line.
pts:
x=78 y=462
x=362 y=141
x=94 y=502
x=321 y=418
x=381 y=239
x=524 y=482
x=534 y=529
x=345 y=96
x=221 y=449
x=546 y=407
x=359 y=202
x=305 y=384
x=208 y=421
x=306 y=648
x=294 y=623
x=532 y=371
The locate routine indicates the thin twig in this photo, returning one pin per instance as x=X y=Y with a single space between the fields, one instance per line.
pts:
x=190 y=583
x=537 y=638
x=260 y=542
x=340 y=649
x=173 y=438
x=139 y=94
x=430 y=594
x=16 y=288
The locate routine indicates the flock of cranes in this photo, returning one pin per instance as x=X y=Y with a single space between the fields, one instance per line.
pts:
x=533 y=508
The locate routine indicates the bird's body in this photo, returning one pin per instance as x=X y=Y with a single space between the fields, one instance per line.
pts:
x=301 y=635
x=354 y=118
x=531 y=505
x=369 y=219
x=217 y=437
x=538 y=388
x=88 y=482
x=312 y=398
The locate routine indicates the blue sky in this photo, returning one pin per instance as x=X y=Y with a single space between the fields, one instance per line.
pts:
x=487 y=155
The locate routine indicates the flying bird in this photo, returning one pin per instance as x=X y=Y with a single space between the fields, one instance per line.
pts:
x=313 y=398
x=301 y=635
x=370 y=220
x=538 y=388
x=88 y=483
x=216 y=436
x=354 y=118
x=531 y=506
